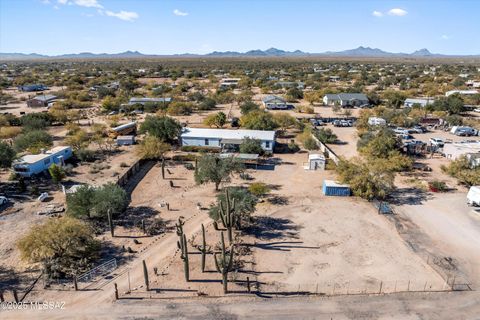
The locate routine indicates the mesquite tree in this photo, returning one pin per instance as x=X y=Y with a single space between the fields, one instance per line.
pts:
x=224 y=263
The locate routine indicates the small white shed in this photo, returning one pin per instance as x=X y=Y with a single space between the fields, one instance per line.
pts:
x=316 y=161
x=125 y=140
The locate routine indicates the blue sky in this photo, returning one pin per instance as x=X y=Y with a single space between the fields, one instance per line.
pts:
x=201 y=26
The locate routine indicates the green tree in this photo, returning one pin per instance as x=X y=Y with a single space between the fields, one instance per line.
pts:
x=152 y=148
x=326 y=135
x=218 y=120
x=284 y=120
x=57 y=173
x=33 y=141
x=251 y=146
x=165 y=128
x=248 y=107
x=89 y=202
x=258 y=120
x=211 y=168
x=245 y=204
x=7 y=155
x=65 y=246
x=366 y=179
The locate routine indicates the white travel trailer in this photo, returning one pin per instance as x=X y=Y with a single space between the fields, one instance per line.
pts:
x=473 y=196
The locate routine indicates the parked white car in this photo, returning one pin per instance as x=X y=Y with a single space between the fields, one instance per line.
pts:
x=437 y=142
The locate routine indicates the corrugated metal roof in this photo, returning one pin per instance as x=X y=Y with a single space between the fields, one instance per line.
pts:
x=228 y=134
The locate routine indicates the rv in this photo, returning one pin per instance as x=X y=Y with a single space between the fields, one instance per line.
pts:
x=473 y=196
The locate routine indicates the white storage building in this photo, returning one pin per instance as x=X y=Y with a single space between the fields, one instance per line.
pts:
x=32 y=164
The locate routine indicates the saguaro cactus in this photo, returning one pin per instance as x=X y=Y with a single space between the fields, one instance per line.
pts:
x=203 y=248
x=110 y=223
x=224 y=263
x=182 y=245
x=145 y=275
x=228 y=215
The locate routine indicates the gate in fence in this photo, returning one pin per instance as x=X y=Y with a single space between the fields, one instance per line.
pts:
x=98 y=271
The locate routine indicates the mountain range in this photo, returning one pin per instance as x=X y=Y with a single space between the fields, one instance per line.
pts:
x=272 y=52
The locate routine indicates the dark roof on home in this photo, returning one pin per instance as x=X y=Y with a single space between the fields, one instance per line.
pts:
x=45 y=98
x=145 y=100
x=273 y=98
x=347 y=96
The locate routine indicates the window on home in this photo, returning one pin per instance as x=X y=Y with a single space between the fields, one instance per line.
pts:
x=206 y=142
x=267 y=144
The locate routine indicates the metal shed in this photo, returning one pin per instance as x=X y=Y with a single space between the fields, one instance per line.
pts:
x=331 y=188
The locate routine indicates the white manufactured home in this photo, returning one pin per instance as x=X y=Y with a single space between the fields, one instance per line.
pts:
x=32 y=164
x=225 y=138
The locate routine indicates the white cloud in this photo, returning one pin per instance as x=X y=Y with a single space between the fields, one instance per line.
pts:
x=88 y=3
x=377 y=13
x=446 y=37
x=180 y=13
x=123 y=15
x=397 y=12
x=62 y=1
x=46 y=1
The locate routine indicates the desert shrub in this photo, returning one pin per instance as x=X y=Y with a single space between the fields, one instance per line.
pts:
x=64 y=246
x=180 y=108
x=7 y=155
x=156 y=226
x=463 y=172
x=207 y=104
x=33 y=141
x=152 y=147
x=293 y=147
x=310 y=144
x=259 y=189
x=325 y=135
x=57 y=173
x=7 y=132
x=85 y=155
x=437 y=186
x=200 y=149
x=248 y=107
x=189 y=166
x=251 y=146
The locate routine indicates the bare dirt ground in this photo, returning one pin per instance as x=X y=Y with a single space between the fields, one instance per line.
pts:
x=353 y=246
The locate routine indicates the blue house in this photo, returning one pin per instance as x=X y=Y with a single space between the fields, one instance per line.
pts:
x=33 y=164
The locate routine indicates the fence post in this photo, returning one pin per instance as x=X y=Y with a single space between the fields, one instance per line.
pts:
x=116 y=291
x=15 y=295
x=381 y=285
x=2 y=299
x=248 y=284
x=75 y=283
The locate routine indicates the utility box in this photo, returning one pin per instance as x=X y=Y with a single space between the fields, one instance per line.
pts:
x=331 y=188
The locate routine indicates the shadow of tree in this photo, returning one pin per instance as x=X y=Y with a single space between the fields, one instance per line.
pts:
x=266 y=228
x=411 y=196
x=278 y=200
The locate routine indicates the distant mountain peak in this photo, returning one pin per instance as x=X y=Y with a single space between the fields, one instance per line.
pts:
x=422 y=52
x=360 y=51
